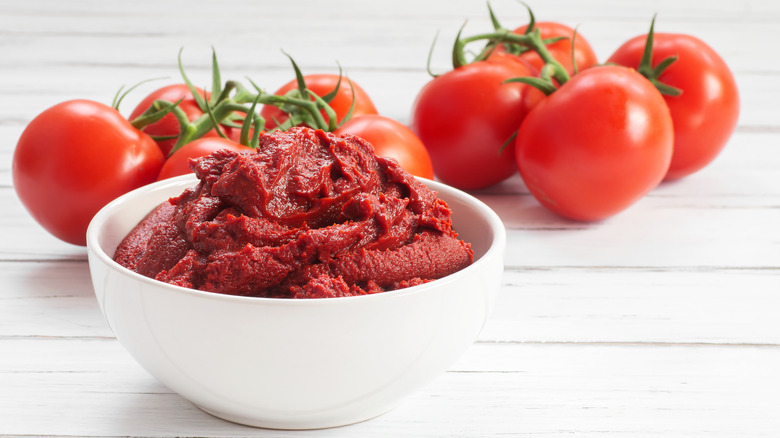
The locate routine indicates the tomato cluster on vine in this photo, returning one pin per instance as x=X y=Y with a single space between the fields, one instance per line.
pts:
x=78 y=155
x=589 y=139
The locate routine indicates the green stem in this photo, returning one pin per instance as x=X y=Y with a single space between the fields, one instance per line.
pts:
x=203 y=124
x=532 y=40
x=459 y=49
x=311 y=107
x=228 y=88
x=156 y=111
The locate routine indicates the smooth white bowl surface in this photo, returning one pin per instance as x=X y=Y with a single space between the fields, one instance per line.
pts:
x=294 y=364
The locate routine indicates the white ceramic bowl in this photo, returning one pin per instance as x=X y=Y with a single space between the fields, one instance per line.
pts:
x=294 y=364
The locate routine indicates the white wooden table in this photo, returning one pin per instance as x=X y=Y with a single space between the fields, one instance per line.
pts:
x=662 y=321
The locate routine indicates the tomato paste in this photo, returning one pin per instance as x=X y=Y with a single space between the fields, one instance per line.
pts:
x=307 y=215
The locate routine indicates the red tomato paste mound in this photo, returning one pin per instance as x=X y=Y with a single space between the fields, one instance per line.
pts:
x=308 y=215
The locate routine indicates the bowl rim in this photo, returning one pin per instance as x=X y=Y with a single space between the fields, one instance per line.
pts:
x=496 y=249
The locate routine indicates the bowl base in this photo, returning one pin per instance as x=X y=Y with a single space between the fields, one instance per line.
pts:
x=297 y=424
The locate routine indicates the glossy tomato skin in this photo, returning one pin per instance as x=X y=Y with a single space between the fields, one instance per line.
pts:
x=169 y=125
x=597 y=144
x=322 y=84
x=705 y=114
x=73 y=159
x=561 y=50
x=393 y=139
x=466 y=115
x=179 y=162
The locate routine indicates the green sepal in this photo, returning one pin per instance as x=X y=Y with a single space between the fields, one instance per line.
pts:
x=493 y=18
x=430 y=56
x=216 y=79
x=298 y=77
x=330 y=96
x=508 y=142
x=647 y=70
x=573 y=52
x=458 y=58
x=252 y=119
x=195 y=95
x=348 y=115
x=120 y=96
x=513 y=49
x=332 y=122
x=214 y=121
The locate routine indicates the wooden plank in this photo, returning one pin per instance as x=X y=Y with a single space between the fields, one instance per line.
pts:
x=670 y=237
x=505 y=389
x=611 y=305
x=49 y=299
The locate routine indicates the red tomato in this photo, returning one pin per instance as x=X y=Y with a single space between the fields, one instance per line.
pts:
x=597 y=144
x=169 y=125
x=391 y=139
x=706 y=112
x=560 y=50
x=73 y=159
x=465 y=116
x=179 y=163
x=322 y=84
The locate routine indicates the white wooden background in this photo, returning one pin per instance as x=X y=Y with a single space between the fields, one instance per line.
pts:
x=662 y=321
